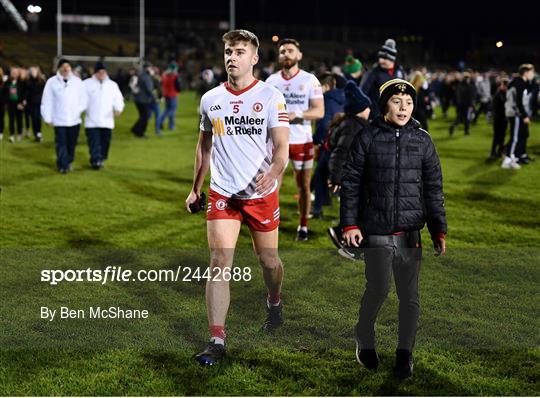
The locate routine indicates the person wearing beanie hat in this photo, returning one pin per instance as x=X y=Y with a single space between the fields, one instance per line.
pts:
x=388 y=50
x=355 y=99
x=170 y=89
x=105 y=101
x=99 y=66
x=390 y=187
x=352 y=69
x=62 y=103
x=393 y=87
x=386 y=69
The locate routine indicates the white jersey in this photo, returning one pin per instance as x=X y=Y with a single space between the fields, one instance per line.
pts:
x=298 y=90
x=242 y=146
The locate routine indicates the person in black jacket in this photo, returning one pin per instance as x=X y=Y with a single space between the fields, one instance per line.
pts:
x=386 y=69
x=144 y=98
x=465 y=95
x=500 y=123
x=334 y=99
x=343 y=131
x=34 y=92
x=392 y=185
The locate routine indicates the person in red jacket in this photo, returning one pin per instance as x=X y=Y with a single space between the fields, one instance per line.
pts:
x=170 y=88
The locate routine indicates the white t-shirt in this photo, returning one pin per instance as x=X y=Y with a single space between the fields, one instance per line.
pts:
x=298 y=90
x=242 y=146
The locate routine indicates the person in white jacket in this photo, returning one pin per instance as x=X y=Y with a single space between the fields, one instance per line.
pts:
x=104 y=102
x=61 y=106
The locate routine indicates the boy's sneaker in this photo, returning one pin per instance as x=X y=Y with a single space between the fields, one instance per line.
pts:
x=404 y=364
x=366 y=357
x=212 y=354
x=274 y=318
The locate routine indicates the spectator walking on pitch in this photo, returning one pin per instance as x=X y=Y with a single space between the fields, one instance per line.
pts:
x=170 y=88
x=13 y=93
x=386 y=69
x=34 y=94
x=391 y=185
x=105 y=101
x=518 y=111
x=63 y=102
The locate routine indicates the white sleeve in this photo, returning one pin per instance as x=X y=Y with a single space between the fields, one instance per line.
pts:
x=47 y=102
x=118 y=99
x=315 y=90
x=83 y=99
x=206 y=123
x=277 y=113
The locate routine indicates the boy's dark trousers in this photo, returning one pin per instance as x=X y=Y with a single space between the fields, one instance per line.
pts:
x=99 y=141
x=384 y=255
x=65 y=139
x=500 y=124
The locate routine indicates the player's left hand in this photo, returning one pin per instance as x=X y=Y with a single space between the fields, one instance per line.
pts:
x=265 y=183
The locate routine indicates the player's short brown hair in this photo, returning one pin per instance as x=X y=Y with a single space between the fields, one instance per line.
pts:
x=289 y=41
x=234 y=36
x=525 y=68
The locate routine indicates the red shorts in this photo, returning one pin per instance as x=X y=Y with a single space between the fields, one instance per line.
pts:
x=301 y=155
x=260 y=214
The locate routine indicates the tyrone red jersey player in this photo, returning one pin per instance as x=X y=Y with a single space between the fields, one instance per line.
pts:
x=243 y=139
x=305 y=103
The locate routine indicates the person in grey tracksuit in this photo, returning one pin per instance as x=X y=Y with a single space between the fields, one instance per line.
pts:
x=518 y=111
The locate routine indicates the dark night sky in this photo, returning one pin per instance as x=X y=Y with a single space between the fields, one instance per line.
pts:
x=444 y=17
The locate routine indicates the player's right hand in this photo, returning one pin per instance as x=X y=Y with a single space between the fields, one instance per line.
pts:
x=353 y=237
x=191 y=199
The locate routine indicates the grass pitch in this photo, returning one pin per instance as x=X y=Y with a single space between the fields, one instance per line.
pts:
x=480 y=314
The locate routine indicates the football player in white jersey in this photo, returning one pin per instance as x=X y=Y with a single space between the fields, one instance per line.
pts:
x=244 y=141
x=305 y=103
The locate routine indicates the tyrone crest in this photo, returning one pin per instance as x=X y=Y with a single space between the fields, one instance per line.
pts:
x=257 y=107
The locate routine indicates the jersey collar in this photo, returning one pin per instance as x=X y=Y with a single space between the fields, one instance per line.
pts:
x=238 y=92
x=289 y=78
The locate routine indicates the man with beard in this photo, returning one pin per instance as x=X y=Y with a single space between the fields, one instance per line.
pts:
x=304 y=97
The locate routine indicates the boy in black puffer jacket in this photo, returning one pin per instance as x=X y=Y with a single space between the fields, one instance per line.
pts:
x=392 y=186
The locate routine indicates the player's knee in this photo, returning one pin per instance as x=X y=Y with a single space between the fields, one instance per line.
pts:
x=220 y=260
x=269 y=261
